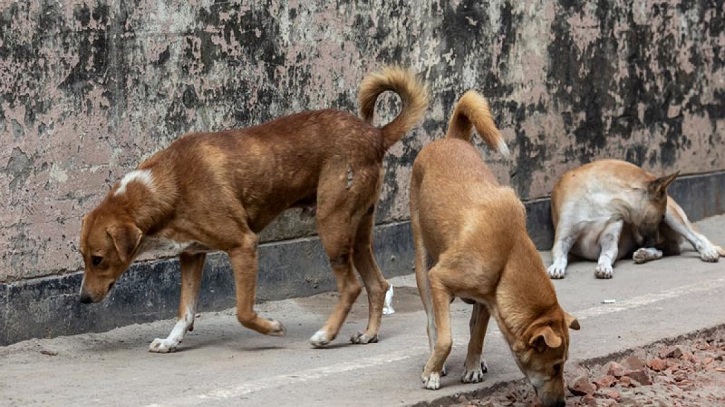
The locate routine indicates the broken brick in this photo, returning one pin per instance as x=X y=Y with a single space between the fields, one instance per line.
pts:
x=657 y=364
x=582 y=386
x=613 y=369
x=605 y=381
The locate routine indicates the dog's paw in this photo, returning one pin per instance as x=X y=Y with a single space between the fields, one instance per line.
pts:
x=604 y=271
x=556 y=271
x=646 y=254
x=361 y=338
x=432 y=381
x=475 y=375
x=162 y=346
x=709 y=254
x=278 y=329
x=320 y=339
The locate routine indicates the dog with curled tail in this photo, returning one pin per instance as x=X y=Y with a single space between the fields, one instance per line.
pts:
x=218 y=191
x=471 y=242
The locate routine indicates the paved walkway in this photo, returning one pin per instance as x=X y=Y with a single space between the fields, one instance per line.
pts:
x=220 y=363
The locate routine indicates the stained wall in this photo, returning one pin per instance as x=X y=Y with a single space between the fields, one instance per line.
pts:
x=90 y=88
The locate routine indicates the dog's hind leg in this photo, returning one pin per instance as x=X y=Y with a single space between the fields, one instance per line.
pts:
x=336 y=228
x=441 y=304
x=475 y=366
x=244 y=263
x=609 y=244
x=677 y=220
x=192 y=266
x=375 y=284
x=422 y=264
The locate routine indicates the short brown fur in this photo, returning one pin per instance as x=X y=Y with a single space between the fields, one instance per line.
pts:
x=473 y=232
x=217 y=191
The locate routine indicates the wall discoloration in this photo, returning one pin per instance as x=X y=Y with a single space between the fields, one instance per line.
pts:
x=90 y=88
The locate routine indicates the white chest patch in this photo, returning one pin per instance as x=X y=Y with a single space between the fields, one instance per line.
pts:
x=143 y=176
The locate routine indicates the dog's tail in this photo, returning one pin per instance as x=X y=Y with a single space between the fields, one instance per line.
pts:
x=413 y=94
x=472 y=111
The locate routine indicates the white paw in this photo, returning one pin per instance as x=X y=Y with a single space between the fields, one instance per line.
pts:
x=645 y=254
x=361 y=338
x=320 y=339
x=388 y=306
x=432 y=381
x=709 y=254
x=603 y=271
x=556 y=271
x=163 y=346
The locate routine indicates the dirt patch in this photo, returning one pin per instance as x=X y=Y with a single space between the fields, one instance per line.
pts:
x=685 y=372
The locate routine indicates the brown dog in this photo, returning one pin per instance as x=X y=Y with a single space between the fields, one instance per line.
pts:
x=217 y=191
x=608 y=209
x=473 y=233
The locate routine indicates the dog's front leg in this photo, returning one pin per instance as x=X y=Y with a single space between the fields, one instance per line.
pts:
x=244 y=263
x=609 y=244
x=475 y=366
x=564 y=241
x=192 y=266
x=442 y=308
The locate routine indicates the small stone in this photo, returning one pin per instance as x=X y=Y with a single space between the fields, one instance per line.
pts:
x=611 y=394
x=582 y=386
x=708 y=360
x=657 y=364
x=589 y=400
x=605 y=382
x=613 y=369
x=671 y=352
x=633 y=363
x=639 y=375
x=626 y=381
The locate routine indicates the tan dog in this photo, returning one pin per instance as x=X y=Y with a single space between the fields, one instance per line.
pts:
x=217 y=191
x=473 y=233
x=608 y=209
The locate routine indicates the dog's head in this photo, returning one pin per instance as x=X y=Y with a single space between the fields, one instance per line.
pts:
x=541 y=353
x=653 y=208
x=108 y=244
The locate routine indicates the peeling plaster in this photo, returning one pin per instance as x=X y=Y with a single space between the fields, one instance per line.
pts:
x=90 y=88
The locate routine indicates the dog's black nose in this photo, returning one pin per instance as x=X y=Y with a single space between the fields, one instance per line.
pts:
x=86 y=299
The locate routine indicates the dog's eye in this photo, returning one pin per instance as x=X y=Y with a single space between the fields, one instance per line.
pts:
x=96 y=260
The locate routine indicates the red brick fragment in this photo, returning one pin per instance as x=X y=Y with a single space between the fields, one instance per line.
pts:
x=639 y=375
x=582 y=386
x=613 y=369
x=611 y=394
x=657 y=364
x=605 y=381
x=670 y=352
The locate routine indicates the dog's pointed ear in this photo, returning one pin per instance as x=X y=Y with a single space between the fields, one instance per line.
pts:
x=571 y=321
x=544 y=337
x=126 y=237
x=658 y=188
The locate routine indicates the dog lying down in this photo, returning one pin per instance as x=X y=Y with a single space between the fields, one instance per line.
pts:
x=609 y=209
x=217 y=191
x=473 y=233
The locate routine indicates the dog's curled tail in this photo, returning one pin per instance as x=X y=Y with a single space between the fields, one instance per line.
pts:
x=413 y=95
x=472 y=111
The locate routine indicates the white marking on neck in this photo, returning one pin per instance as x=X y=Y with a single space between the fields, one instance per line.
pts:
x=143 y=176
x=173 y=247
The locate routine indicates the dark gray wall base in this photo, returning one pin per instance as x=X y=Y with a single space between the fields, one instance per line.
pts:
x=48 y=307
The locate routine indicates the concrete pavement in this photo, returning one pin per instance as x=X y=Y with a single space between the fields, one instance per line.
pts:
x=220 y=363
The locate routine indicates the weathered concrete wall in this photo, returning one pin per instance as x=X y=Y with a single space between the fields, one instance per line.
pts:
x=90 y=88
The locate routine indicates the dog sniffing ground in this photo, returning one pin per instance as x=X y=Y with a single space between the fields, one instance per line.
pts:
x=689 y=371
